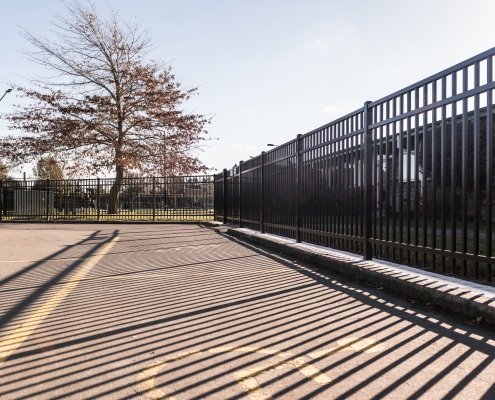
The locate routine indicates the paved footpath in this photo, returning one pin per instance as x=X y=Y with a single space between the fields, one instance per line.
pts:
x=187 y=312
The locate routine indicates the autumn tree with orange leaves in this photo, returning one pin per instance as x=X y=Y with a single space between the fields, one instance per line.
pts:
x=105 y=104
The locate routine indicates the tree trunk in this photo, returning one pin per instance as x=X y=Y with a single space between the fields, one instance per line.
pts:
x=113 y=200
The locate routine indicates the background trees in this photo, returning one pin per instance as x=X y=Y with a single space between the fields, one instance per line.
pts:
x=105 y=105
x=4 y=172
x=48 y=168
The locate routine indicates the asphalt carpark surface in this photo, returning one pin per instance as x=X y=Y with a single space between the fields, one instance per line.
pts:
x=185 y=311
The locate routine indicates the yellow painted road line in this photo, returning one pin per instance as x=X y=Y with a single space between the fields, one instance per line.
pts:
x=328 y=352
x=363 y=345
x=246 y=379
x=146 y=379
x=311 y=372
x=20 y=333
x=273 y=352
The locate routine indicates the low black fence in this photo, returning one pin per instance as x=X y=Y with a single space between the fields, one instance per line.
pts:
x=179 y=198
x=407 y=178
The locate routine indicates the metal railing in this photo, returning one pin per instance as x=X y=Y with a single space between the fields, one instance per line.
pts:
x=407 y=178
x=179 y=198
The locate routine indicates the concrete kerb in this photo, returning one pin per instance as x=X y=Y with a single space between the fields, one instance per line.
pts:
x=469 y=299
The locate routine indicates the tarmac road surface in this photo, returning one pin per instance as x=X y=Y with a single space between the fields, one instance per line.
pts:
x=186 y=312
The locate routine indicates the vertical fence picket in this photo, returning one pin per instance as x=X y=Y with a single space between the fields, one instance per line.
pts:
x=443 y=178
x=423 y=183
x=262 y=189
x=98 y=199
x=47 y=199
x=225 y=195
x=299 y=161
x=368 y=182
x=477 y=177
x=154 y=198
x=408 y=177
x=434 y=179
x=489 y=171
x=465 y=170
x=240 y=193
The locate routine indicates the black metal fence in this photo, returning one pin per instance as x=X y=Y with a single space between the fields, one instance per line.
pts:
x=407 y=178
x=177 y=198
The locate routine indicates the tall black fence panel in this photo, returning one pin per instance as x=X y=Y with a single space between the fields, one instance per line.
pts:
x=179 y=198
x=408 y=178
x=331 y=184
x=251 y=193
x=433 y=149
x=219 y=196
x=232 y=199
x=280 y=190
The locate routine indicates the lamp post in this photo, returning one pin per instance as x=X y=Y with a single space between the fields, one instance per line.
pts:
x=7 y=91
x=272 y=145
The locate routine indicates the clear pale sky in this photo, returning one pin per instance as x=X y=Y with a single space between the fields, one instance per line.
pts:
x=268 y=70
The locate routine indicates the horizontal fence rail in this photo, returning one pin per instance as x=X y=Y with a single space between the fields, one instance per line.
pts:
x=179 y=198
x=408 y=178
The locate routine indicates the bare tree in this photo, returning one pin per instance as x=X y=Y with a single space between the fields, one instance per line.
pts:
x=106 y=104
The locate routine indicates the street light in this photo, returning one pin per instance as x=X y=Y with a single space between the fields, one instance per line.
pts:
x=272 y=145
x=7 y=91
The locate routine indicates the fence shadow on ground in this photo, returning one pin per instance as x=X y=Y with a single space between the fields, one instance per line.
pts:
x=164 y=291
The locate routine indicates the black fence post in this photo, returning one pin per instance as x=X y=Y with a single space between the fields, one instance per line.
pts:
x=48 y=199
x=154 y=199
x=240 y=193
x=1 y=199
x=367 y=181
x=262 y=219
x=98 y=200
x=206 y=201
x=224 y=195
x=299 y=188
